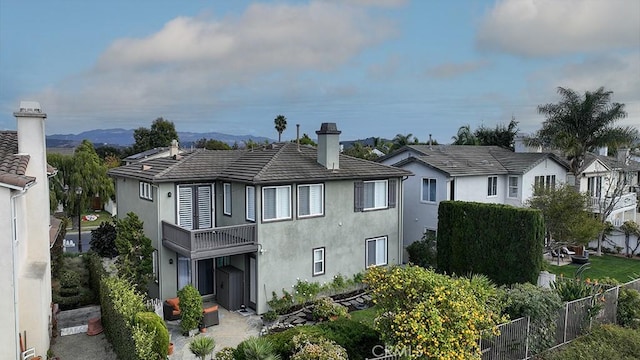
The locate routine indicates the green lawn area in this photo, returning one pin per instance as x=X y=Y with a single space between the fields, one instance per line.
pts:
x=101 y=217
x=619 y=268
x=365 y=316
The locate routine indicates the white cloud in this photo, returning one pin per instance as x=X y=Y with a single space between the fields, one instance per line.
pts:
x=195 y=64
x=451 y=70
x=533 y=28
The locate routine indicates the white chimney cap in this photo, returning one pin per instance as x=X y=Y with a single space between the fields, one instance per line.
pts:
x=30 y=106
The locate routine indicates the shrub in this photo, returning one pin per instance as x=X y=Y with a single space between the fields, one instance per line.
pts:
x=541 y=305
x=305 y=291
x=280 y=304
x=326 y=308
x=103 y=240
x=269 y=316
x=628 y=314
x=573 y=289
x=135 y=261
x=201 y=346
x=96 y=272
x=317 y=348
x=603 y=342
x=144 y=342
x=225 y=354
x=255 y=348
x=70 y=279
x=154 y=324
x=190 y=308
x=423 y=251
x=358 y=339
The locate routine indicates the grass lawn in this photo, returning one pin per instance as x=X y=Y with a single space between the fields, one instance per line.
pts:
x=619 y=268
x=365 y=316
x=101 y=217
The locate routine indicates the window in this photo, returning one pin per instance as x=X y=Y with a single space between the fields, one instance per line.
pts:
x=226 y=199
x=154 y=265
x=318 y=261
x=250 y=203
x=492 y=186
x=373 y=195
x=513 y=186
x=376 y=251
x=594 y=186
x=310 y=200
x=428 y=190
x=545 y=181
x=276 y=203
x=146 y=192
x=195 y=207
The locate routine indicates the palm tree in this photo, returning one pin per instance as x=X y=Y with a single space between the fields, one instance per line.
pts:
x=577 y=125
x=465 y=136
x=401 y=140
x=281 y=125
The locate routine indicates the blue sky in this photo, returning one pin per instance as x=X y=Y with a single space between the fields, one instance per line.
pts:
x=375 y=67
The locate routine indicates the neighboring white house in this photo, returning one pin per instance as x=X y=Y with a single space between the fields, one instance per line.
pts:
x=25 y=271
x=264 y=217
x=487 y=174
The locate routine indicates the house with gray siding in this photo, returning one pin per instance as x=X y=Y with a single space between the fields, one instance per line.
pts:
x=240 y=224
x=487 y=174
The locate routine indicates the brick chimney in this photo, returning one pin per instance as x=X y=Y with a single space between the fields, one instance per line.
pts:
x=329 y=146
x=173 y=150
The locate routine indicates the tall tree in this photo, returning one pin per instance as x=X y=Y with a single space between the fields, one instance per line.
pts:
x=401 y=140
x=578 y=124
x=501 y=135
x=212 y=144
x=281 y=125
x=360 y=151
x=566 y=218
x=135 y=261
x=465 y=136
x=161 y=133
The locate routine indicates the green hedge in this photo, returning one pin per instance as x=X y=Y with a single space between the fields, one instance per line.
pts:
x=93 y=263
x=154 y=324
x=501 y=241
x=120 y=305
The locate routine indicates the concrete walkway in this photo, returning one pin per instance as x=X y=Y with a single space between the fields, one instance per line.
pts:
x=232 y=330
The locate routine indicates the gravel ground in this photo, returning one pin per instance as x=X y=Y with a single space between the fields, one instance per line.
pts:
x=82 y=346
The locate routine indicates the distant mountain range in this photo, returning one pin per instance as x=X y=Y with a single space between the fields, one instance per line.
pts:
x=124 y=137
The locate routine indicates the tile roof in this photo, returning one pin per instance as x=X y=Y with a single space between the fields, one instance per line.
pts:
x=465 y=160
x=13 y=166
x=272 y=164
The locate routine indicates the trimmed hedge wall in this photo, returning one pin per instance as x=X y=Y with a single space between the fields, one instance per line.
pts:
x=501 y=241
x=121 y=305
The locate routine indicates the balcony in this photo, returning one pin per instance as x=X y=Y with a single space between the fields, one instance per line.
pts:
x=625 y=201
x=204 y=243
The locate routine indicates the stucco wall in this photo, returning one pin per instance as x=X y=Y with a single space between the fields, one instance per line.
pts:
x=546 y=167
x=288 y=245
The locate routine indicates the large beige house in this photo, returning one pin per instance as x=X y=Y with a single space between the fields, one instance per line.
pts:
x=25 y=271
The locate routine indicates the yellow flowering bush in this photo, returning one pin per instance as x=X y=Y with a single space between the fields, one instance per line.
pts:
x=432 y=316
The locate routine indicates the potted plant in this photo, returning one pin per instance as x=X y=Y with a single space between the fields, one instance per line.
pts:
x=190 y=309
x=202 y=346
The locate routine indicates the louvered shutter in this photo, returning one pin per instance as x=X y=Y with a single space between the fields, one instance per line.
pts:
x=392 y=193
x=204 y=207
x=185 y=207
x=358 y=196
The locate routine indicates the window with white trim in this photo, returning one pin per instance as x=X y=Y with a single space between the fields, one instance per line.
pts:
x=226 y=199
x=375 y=194
x=318 y=261
x=310 y=200
x=376 y=252
x=513 y=187
x=250 y=200
x=428 y=190
x=545 y=181
x=276 y=203
x=594 y=186
x=492 y=186
x=146 y=191
x=154 y=260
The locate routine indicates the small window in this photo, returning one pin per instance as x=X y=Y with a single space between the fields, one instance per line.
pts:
x=428 y=190
x=155 y=266
x=318 y=261
x=227 y=198
x=310 y=200
x=376 y=251
x=276 y=203
x=251 y=203
x=375 y=194
x=513 y=186
x=146 y=192
x=492 y=186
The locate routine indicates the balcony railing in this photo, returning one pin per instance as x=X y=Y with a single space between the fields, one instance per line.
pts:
x=623 y=201
x=193 y=241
